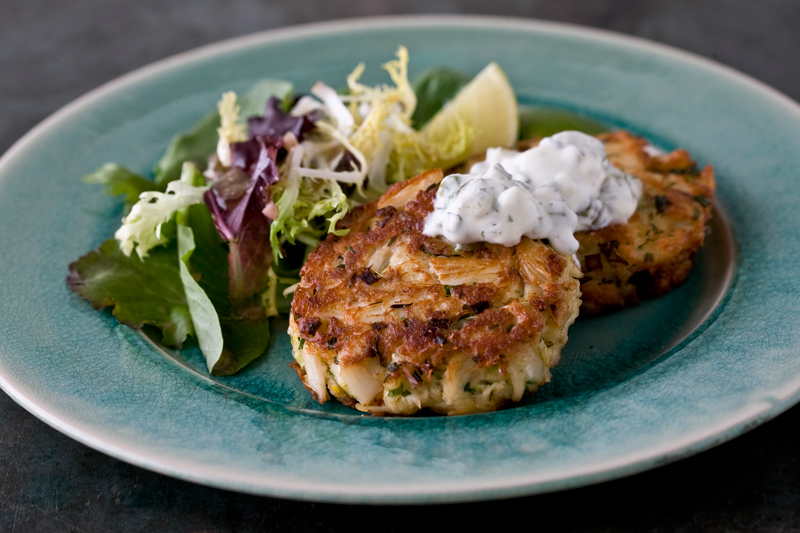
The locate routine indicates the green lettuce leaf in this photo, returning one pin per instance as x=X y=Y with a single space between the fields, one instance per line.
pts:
x=230 y=336
x=244 y=341
x=139 y=293
x=434 y=88
x=118 y=180
x=194 y=146
x=200 y=142
x=204 y=316
x=181 y=291
x=254 y=101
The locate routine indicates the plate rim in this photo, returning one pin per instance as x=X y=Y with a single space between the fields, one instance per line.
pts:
x=672 y=451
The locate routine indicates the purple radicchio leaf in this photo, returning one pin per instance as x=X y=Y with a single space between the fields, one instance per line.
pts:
x=237 y=201
x=243 y=187
x=250 y=256
x=275 y=123
x=239 y=198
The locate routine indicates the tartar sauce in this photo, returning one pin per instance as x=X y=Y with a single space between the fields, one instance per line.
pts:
x=563 y=185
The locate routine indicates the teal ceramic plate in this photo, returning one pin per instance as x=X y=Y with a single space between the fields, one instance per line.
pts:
x=636 y=389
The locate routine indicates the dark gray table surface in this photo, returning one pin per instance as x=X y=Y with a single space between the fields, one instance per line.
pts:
x=53 y=51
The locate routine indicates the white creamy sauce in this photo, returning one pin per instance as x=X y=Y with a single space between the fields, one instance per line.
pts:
x=563 y=185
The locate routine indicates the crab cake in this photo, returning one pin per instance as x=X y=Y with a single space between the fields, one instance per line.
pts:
x=655 y=250
x=389 y=320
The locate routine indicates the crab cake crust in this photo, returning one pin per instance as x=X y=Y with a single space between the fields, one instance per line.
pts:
x=392 y=321
x=655 y=250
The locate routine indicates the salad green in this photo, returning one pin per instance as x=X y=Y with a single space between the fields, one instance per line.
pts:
x=198 y=143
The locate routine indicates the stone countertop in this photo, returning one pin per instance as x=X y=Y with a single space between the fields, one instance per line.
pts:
x=52 y=52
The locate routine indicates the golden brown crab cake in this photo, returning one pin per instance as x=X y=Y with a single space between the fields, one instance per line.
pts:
x=655 y=250
x=392 y=321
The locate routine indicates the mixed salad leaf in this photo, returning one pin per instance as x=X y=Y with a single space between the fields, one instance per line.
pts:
x=434 y=88
x=213 y=242
x=119 y=181
x=198 y=143
x=138 y=296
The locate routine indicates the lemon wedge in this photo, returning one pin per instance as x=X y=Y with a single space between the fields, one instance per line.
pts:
x=487 y=106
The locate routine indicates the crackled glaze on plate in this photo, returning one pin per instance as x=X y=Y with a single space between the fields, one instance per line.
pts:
x=635 y=390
